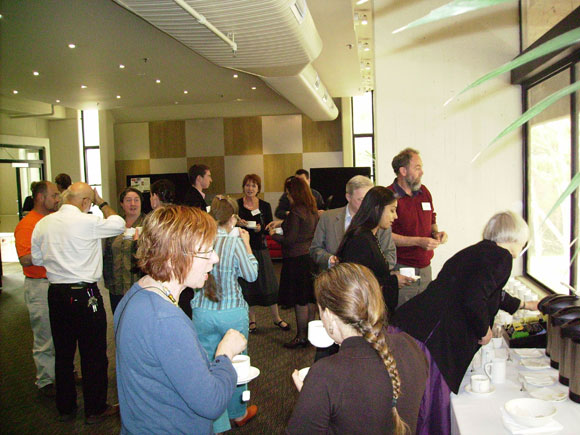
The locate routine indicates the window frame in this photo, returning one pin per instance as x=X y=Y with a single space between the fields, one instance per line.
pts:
x=370 y=135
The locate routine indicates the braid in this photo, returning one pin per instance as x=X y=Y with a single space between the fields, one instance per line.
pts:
x=375 y=336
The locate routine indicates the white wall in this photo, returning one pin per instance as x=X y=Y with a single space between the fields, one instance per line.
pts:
x=64 y=147
x=416 y=72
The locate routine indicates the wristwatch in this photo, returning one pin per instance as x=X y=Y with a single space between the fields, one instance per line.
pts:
x=104 y=203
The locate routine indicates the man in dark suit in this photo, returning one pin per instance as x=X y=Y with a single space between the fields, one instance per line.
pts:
x=200 y=179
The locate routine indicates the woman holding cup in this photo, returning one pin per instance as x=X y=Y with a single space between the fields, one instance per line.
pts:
x=255 y=214
x=120 y=270
x=221 y=306
x=452 y=318
x=375 y=382
x=166 y=382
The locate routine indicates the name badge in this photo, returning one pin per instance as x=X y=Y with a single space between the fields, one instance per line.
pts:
x=208 y=208
x=255 y=212
x=426 y=206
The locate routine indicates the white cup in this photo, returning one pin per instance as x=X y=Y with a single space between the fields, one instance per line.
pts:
x=129 y=233
x=480 y=384
x=317 y=335
x=252 y=224
x=279 y=231
x=497 y=342
x=242 y=365
x=407 y=271
x=496 y=369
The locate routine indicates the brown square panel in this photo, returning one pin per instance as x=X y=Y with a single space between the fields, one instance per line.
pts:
x=321 y=136
x=278 y=167
x=243 y=135
x=124 y=168
x=166 y=139
x=216 y=166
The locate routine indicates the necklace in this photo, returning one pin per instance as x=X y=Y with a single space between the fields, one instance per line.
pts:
x=163 y=291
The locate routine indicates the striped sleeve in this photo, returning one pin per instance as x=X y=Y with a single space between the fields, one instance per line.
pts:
x=247 y=262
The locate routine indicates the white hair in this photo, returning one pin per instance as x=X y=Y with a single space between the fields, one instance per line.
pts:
x=506 y=227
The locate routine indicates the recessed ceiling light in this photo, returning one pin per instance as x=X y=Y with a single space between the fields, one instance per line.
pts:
x=253 y=88
x=157 y=81
x=185 y=92
x=366 y=46
x=58 y=101
x=360 y=2
x=1 y=16
x=118 y=97
x=177 y=102
x=364 y=21
x=71 y=46
x=83 y=86
x=14 y=91
x=235 y=76
x=122 y=66
x=35 y=73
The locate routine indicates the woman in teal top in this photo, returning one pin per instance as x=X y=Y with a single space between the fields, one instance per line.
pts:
x=215 y=310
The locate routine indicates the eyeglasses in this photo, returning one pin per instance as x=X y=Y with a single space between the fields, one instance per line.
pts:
x=205 y=255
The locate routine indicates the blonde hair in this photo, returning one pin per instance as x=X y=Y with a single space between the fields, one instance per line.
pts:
x=357 y=182
x=352 y=293
x=170 y=237
x=506 y=227
x=223 y=208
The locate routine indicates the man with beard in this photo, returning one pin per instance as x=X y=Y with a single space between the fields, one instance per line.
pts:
x=415 y=230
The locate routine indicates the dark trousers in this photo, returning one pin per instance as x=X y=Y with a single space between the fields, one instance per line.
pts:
x=72 y=321
x=115 y=299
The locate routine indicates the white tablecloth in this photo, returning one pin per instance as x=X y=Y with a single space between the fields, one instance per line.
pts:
x=472 y=414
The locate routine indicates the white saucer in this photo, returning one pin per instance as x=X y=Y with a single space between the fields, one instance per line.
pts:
x=538 y=379
x=549 y=394
x=254 y=373
x=487 y=393
x=535 y=363
x=529 y=353
x=303 y=372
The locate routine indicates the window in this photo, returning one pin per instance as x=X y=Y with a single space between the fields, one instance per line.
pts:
x=363 y=132
x=91 y=152
x=551 y=154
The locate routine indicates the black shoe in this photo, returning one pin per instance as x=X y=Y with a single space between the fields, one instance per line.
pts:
x=48 y=390
x=68 y=417
x=285 y=327
x=296 y=342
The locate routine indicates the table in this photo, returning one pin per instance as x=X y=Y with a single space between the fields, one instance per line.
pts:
x=472 y=414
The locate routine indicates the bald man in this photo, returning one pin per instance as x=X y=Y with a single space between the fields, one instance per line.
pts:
x=68 y=244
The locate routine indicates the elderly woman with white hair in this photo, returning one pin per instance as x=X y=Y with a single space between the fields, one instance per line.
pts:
x=452 y=318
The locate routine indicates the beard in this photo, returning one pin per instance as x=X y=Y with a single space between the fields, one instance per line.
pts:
x=413 y=183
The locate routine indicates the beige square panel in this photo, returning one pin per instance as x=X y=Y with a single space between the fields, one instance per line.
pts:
x=282 y=134
x=322 y=135
x=132 y=141
x=322 y=160
x=216 y=166
x=272 y=198
x=168 y=166
x=128 y=167
x=166 y=139
x=237 y=167
x=277 y=167
x=204 y=137
x=243 y=136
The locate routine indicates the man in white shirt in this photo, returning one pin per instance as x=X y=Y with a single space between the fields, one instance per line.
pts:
x=68 y=244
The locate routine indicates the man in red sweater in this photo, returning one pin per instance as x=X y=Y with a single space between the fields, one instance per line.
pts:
x=415 y=230
x=46 y=198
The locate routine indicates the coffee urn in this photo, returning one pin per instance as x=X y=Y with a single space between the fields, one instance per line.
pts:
x=549 y=305
x=569 y=331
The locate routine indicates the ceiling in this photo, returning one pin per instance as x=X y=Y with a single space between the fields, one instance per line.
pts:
x=35 y=36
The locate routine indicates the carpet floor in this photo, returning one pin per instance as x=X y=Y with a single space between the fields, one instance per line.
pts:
x=24 y=411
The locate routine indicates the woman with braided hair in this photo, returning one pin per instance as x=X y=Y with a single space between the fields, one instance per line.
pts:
x=375 y=383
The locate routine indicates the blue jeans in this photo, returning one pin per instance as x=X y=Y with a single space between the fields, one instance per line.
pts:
x=211 y=325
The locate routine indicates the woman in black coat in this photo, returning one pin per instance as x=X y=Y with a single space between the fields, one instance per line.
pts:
x=360 y=244
x=452 y=318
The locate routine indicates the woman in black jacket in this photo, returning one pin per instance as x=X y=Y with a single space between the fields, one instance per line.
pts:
x=454 y=315
x=360 y=244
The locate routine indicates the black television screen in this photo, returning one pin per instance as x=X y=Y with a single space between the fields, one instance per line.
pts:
x=331 y=183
